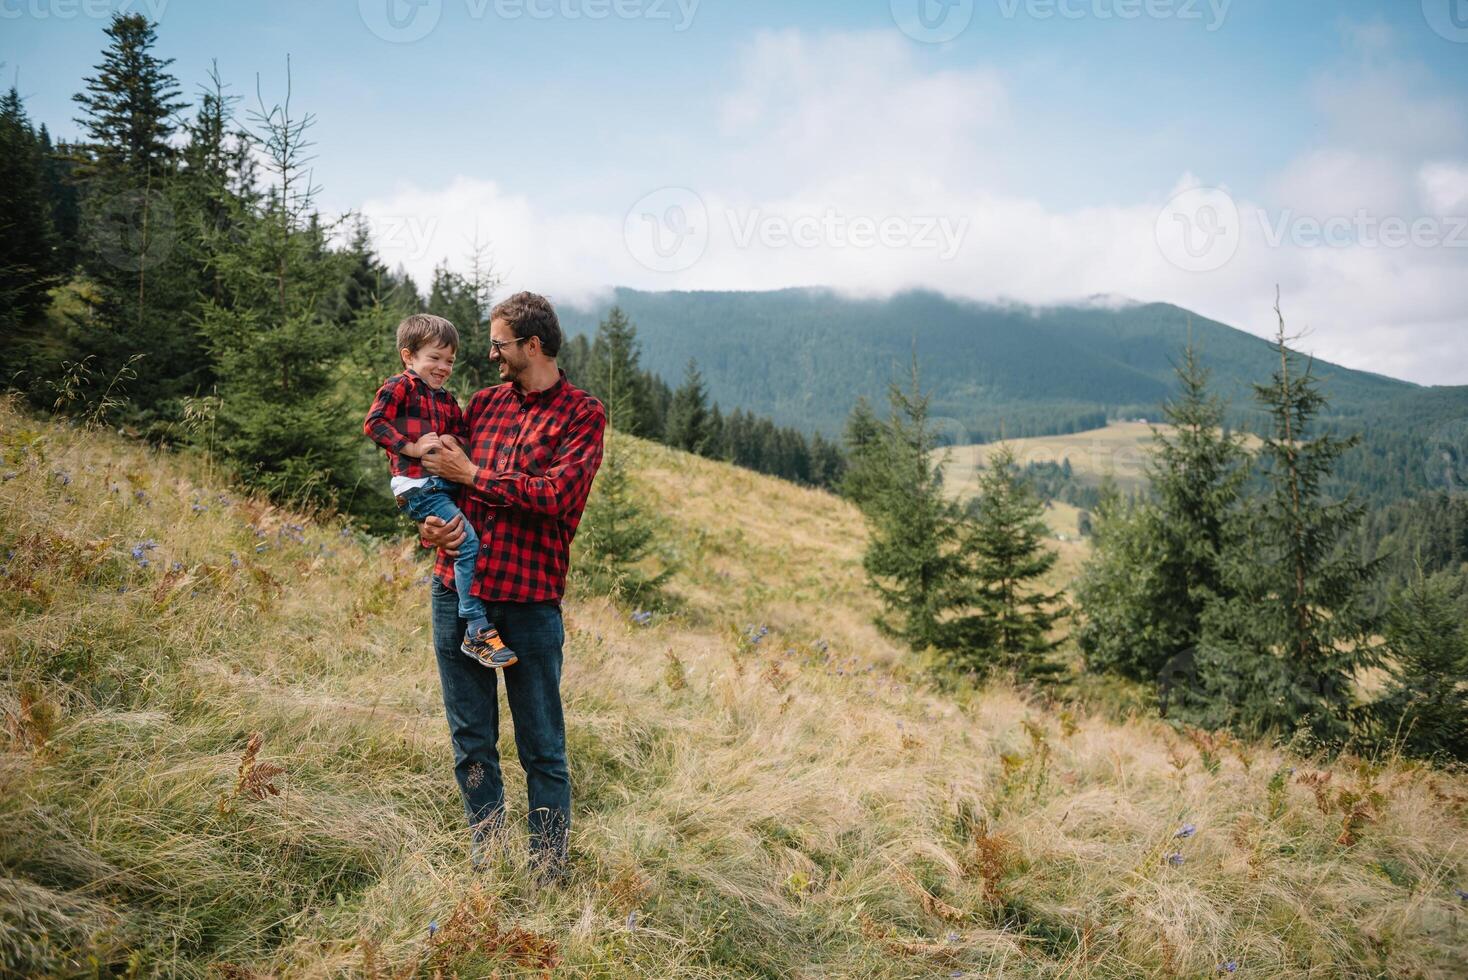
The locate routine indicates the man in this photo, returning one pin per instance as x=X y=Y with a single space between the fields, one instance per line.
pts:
x=534 y=447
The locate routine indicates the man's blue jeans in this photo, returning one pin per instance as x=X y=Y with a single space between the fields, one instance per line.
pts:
x=535 y=632
x=436 y=499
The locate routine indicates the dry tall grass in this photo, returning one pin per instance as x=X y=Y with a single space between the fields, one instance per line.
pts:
x=224 y=754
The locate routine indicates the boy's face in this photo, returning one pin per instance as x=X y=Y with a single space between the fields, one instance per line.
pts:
x=431 y=362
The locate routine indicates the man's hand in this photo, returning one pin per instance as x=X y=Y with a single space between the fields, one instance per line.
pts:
x=450 y=463
x=444 y=536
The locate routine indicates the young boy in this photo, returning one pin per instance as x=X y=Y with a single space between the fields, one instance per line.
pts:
x=412 y=416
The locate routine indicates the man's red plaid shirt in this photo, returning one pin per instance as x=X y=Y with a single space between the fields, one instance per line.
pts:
x=405 y=410
x=537 y=454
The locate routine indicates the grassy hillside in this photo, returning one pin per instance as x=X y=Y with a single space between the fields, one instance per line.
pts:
x=792 y=806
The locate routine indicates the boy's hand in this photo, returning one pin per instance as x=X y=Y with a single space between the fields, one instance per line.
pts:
x=428 y=443
x=444 y=536
x=447 y=439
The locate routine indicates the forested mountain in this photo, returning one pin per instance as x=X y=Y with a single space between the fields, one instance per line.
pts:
x=804 y=356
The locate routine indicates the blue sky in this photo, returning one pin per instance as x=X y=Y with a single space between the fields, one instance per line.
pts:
x=1046 y=136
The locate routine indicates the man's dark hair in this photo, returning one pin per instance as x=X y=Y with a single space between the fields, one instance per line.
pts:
x=531 y=315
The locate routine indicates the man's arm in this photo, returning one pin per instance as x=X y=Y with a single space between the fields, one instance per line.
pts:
x=563 y=487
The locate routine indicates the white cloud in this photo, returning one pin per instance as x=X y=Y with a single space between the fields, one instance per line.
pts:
x=822 y=136
x=1444 y=188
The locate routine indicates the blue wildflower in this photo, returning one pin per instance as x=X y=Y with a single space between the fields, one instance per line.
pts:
x=1175 y=858
x=1187 y=830
x=432 y=928
x=176 y=567
x=1228 y=967
x=632 y=919
x=1462 y=895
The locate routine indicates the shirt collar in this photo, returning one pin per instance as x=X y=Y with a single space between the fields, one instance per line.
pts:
x=545 y=394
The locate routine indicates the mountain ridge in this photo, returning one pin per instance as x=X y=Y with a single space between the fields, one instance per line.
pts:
x=1025 y=369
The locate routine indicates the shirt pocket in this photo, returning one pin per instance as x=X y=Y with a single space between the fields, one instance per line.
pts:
x=537 y=451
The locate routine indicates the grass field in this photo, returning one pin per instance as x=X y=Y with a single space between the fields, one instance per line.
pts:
x=1117 y=451
x=224 y=755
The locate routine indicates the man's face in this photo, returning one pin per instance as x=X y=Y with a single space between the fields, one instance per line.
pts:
x=511 y=358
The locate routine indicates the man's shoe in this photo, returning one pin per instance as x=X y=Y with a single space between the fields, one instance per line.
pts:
x=488 y=649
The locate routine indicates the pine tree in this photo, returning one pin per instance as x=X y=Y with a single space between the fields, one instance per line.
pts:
x=615 y=355
x=28 y=243
x=1283 y=647
x=280 y=350
x=129 y=105
x=1005 y=542
x=688 y=416
x=913 y=557
x=1425 y=707
x=866 y=470
x=617 y=541
x=1147 y=609
x=131 y=230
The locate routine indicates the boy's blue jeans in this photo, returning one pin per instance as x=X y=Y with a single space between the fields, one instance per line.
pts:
x=535 y=631
x=436 y=499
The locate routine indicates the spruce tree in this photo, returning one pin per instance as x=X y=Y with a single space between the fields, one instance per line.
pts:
x=131 y=228
x=688 y=416
x=1145 y=606
x=280 y=349
x=1425 y=707
x=1005 y=542
x=617 y=540
x=1283 y=647
x=29 y=263
x=914 y=558
x=866 y=470
x=1116 y=593
x=615 y=375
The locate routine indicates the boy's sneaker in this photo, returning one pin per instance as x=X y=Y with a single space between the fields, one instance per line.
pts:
x=487 y=648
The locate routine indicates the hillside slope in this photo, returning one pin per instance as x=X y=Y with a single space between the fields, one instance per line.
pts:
x=795 y=805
